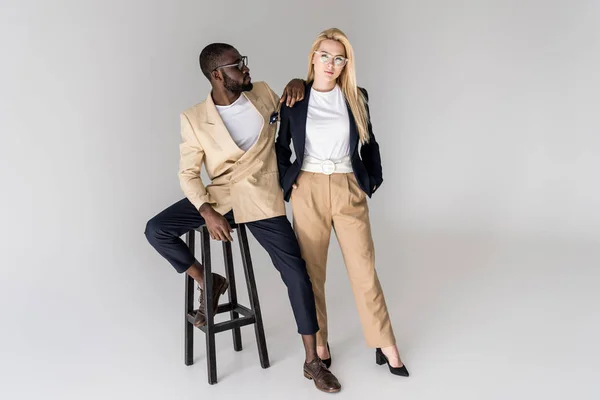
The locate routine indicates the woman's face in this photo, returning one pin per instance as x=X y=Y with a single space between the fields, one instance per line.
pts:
x=329 y=60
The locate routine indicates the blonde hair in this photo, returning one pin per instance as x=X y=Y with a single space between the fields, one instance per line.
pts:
x=347 y=80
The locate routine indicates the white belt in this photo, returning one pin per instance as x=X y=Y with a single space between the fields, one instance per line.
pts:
x=327 y=167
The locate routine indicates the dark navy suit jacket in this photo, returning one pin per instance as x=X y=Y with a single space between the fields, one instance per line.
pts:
x=366 y=161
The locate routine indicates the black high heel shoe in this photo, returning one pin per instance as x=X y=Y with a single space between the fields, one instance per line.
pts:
x=327 y=362
x=381 y=359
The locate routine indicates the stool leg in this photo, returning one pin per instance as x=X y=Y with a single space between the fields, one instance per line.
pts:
x=228 y=257
x=211 y=359
x=189 y=306
x=259 y=329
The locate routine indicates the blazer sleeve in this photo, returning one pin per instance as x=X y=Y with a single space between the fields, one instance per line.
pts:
x=369 y=152
x=190 y=165
x=282 y=143
x=274 y=97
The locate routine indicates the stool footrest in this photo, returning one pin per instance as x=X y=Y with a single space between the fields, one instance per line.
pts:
x=227 y=325
x=234 y=323
x=247 y=319
x=245 y=311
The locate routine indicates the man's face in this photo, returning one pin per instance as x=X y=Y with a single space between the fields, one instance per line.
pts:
x=236 y=75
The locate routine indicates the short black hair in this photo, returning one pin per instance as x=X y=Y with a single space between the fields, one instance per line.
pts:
x=210 y=57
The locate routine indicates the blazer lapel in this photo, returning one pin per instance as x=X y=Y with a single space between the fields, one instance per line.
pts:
x=353 y=130
x=259 y=104
x=265 y=112
x=299 y=114
x=217 y=129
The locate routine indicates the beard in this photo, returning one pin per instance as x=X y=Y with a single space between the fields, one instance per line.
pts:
x=236 y=87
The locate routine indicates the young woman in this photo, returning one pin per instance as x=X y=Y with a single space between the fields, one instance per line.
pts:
x=337 y=166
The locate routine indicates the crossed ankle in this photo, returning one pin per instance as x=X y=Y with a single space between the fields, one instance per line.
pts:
x=309 y=359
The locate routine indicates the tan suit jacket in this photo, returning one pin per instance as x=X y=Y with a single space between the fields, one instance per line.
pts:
x=245 y=182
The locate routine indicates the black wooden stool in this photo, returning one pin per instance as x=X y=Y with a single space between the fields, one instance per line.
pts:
x=250 y=315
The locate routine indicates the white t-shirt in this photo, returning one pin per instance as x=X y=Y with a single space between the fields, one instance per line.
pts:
x=243 y=122
x=327 y=125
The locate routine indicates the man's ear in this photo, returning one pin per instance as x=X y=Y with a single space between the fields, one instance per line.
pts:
x=216 y=75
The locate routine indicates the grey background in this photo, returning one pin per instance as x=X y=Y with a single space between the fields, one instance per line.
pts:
x=487 y=226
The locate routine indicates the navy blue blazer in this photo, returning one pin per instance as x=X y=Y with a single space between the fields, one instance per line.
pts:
x=366 y=167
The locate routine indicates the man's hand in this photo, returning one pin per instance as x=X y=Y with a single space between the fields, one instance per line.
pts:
x=217 y=225
x=293 y=92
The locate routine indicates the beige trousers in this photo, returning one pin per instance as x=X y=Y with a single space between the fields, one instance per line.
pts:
x=319 y=203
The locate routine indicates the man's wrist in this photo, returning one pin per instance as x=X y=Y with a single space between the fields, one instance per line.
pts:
x=205 y=208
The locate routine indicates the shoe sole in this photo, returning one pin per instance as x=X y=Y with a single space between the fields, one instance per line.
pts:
x=307 y=376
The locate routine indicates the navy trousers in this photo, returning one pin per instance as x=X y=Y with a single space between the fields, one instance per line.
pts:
x=275 y=235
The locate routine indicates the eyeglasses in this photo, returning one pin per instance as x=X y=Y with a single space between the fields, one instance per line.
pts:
x=327 y=58
x=240 y=64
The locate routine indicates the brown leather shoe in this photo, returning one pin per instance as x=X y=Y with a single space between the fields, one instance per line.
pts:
x=325 y=381
x=220 y=285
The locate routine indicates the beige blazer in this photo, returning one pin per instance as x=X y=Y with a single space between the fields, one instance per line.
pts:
x=245 y=182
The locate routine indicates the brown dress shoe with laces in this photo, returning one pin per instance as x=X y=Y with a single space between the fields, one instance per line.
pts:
x=324 y=380
x=220 y=285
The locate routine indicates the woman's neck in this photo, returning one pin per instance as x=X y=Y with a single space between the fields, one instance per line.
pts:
x=323 y=85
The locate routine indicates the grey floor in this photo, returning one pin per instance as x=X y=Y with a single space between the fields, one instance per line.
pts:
x=476 y=318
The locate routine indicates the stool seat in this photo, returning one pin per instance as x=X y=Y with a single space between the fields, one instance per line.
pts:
x=249 y=315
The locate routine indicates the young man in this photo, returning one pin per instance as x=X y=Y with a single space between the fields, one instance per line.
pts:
x=232 y=135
